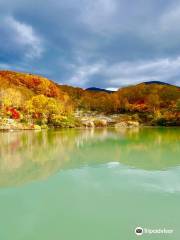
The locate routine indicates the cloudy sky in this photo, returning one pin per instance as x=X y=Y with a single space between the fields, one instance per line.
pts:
x=102 y=43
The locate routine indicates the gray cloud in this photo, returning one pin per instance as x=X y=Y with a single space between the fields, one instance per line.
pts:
x=126 y=73
x=18 y=41
x=107 y=43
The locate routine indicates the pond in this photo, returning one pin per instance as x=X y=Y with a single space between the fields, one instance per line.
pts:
x=94 y=184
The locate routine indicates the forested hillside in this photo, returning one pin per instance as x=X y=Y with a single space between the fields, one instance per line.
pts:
x=33 y=99
x=154 y=103
x=37 y=100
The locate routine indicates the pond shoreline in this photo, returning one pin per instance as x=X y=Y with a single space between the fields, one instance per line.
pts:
x=86 y=120
x=82 y=128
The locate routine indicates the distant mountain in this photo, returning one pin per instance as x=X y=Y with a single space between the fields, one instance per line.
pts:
x=158 y=82
x=94 y=89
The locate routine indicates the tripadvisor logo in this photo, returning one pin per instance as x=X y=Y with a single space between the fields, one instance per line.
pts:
x=139 y=231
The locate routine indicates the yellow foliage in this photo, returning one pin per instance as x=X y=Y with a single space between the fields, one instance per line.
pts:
x=11 y=97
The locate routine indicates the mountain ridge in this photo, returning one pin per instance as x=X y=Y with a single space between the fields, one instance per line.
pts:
x=160 y=83
x=92 y=88
x=96 y=89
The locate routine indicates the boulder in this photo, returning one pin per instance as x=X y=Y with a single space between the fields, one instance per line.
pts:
x=127 y=124
x=88 y=123
x=100 y=122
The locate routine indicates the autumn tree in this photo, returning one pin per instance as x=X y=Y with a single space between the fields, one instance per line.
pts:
x=11 y=97
x=43 y=109
x=178 y=105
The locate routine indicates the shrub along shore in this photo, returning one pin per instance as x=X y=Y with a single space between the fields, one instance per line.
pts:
x=82 y=120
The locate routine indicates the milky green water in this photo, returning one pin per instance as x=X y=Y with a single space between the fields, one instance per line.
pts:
x=89 y=184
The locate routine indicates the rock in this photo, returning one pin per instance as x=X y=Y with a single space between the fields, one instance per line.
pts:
x=88 y=123
x=121 y=125
x=10 y=121
x=133 y=123
x=127 y=124
x=100 y=122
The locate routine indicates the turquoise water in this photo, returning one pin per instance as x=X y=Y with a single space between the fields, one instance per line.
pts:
x=89 y=184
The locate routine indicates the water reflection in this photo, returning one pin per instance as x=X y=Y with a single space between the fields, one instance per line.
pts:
x=29 y=155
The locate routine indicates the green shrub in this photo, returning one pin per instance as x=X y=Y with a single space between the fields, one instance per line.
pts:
x=37 y=127
x=63 y=121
